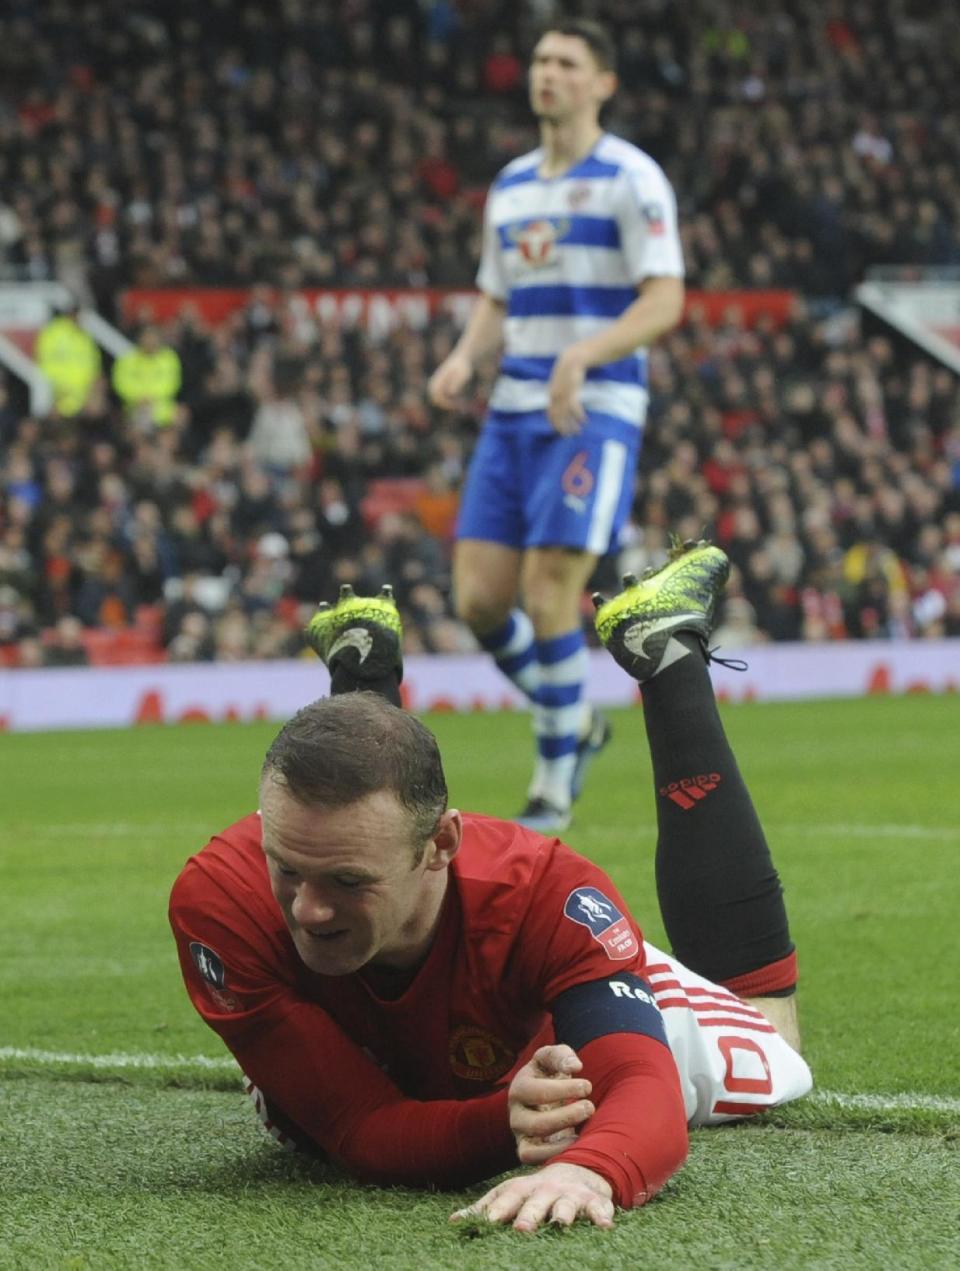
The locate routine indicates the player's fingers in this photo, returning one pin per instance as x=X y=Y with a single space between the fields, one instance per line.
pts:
x=564 y=424
x=479 y=1208
x=541 y=1119
x=556 y=1059
x=439 y=396
x=453 y=382
x=534 y=1151
x=468 y=1211
x=564 y=1212
x=510 y=1200
x=544 y=1121
x=443 y=387
x=536 y=1091
x=535 y=1209
x=538 y=1123
x=572 y=418
x=600 y=1211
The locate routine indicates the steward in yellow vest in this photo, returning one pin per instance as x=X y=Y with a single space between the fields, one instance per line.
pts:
x=147 y=380
x=70 y=360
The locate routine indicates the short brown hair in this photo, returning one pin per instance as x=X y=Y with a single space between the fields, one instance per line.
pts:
x=595 y=36
x=340 y=749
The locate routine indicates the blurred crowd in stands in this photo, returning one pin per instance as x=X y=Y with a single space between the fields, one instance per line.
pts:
x=198 y=496
x=157 y=142
x=302 y=455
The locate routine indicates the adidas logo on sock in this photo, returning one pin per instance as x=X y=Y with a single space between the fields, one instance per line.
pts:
x=688 y=791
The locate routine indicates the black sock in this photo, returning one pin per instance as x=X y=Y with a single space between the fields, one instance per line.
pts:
x=719 y=892
x=343 y=679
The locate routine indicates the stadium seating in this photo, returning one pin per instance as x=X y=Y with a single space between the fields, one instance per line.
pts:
x=807 y=444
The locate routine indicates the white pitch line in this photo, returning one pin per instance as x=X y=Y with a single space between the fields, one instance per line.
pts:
x=156 y=1063
x=907 y=1101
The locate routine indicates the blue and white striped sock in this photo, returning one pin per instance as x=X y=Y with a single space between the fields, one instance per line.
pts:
x=558 y=715
x=514 y=651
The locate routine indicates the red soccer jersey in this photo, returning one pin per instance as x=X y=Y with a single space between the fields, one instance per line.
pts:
x=389 y=1084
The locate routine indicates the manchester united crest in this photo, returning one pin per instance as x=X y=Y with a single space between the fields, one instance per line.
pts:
x=536 y=241
x=478 y=1055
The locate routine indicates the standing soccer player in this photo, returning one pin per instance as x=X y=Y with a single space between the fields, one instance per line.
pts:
x=582 y=269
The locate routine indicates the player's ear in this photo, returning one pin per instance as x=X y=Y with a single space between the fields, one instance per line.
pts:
x=445 y=844
x=607 y=86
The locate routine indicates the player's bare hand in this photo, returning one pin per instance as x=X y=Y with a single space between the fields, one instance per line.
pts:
x=547 y=1103
x=564 y=409
x=557 y=1193
x=449 y=380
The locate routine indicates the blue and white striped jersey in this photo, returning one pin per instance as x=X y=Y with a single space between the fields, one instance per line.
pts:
x=567 y=255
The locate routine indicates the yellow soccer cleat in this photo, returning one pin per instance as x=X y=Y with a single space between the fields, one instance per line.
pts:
x=365 y=630
x=637 y=625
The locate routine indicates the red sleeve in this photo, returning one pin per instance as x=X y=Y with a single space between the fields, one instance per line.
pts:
x=308 y=1066
x=342 y=1100
x=637 y=1138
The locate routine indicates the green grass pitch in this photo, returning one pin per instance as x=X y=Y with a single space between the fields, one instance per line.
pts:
x=120 y=1147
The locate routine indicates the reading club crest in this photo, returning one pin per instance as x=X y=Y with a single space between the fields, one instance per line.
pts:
x=589 y=907
x=537 y=240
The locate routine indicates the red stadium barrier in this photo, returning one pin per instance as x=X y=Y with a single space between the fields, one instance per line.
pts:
x=414 y=308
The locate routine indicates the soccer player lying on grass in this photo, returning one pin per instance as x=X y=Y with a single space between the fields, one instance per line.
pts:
x=428 y=997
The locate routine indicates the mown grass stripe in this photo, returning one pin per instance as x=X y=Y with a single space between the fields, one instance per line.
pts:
x=178 y=1065
x=83 y=830
x=865 y=830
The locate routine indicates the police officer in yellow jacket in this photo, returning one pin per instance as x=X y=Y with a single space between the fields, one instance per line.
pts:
x=147 y=380
x=70 y=360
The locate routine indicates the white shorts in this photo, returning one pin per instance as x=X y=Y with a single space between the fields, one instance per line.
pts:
x=733 y=1063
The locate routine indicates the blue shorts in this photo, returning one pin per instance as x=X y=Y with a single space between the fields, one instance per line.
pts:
x=528 y=486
